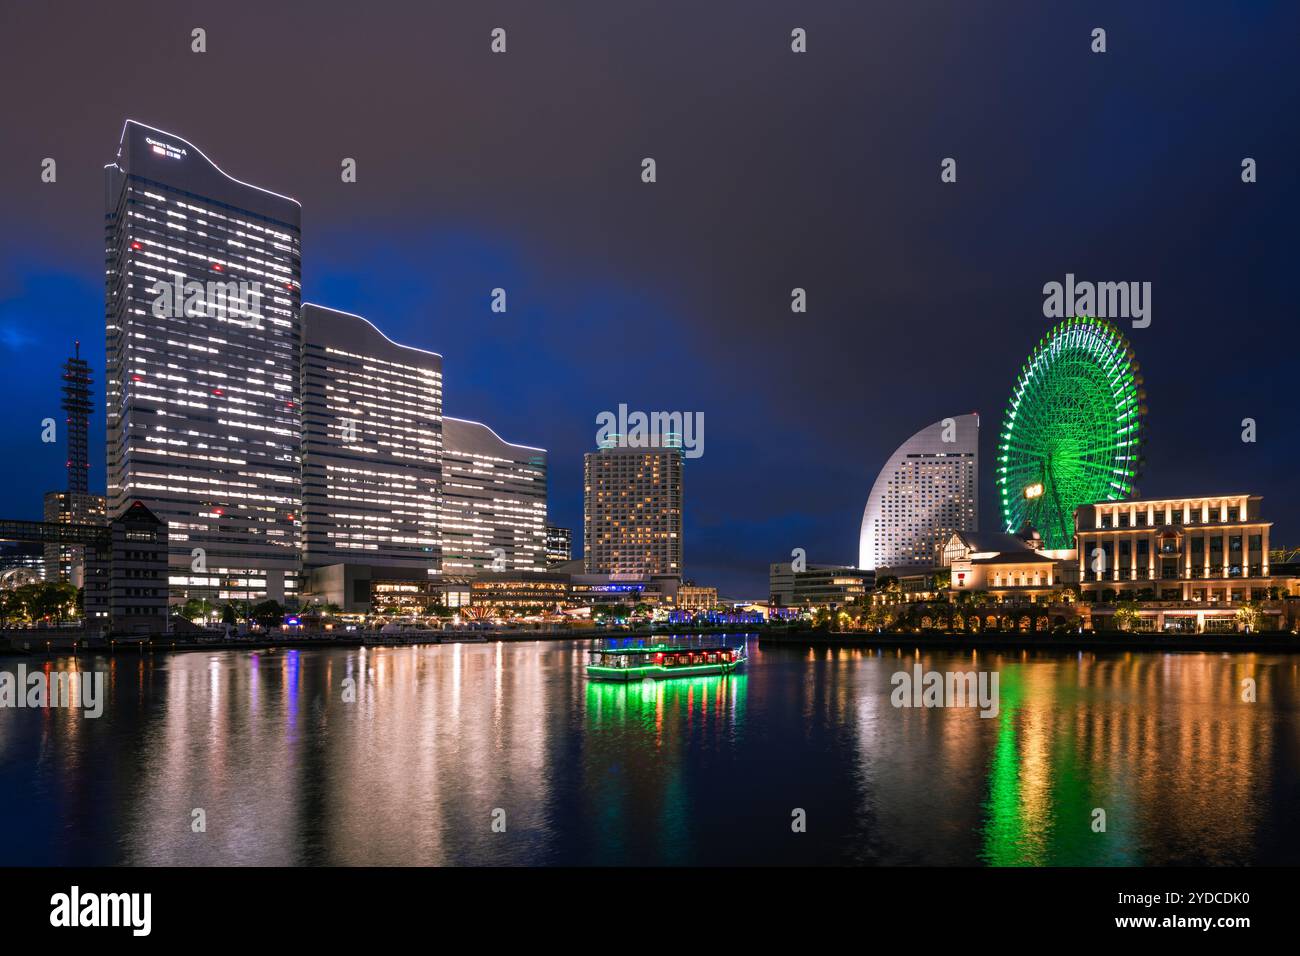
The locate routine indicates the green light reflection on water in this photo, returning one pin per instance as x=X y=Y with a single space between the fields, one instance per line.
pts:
x=1043 y=816
x=637 y=732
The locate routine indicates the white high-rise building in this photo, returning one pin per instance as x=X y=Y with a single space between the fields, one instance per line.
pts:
x=372 y=445
x=202 y=292
x=928 y=489
x=493 y=501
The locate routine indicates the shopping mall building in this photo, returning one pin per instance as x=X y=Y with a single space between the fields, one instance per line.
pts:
x=1190 y=563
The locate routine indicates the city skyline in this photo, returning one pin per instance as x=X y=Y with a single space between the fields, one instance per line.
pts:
x=576 y=276
x=277 y=440
x=624 y=436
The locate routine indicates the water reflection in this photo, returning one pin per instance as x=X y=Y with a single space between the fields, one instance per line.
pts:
x=641 y=739
x=402 y=756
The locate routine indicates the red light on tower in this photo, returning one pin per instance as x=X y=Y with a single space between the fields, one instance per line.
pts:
x=216 y=267
x=136 y=245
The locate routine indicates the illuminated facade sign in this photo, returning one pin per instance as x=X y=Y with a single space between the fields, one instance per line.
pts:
x=165 y=149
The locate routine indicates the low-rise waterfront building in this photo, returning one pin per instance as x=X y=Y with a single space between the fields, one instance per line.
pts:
x=816 y=584
x=768 y=611
x=597 y=590
x=137 y=580
x=556 y=590
x=696 y=597
x=831 y=586
x=529 y=593
x=1189 y=564
x=1007 y=567
x=373 y=588
x=903 y=584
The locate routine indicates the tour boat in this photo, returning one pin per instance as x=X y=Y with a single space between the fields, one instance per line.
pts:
x=662 y=661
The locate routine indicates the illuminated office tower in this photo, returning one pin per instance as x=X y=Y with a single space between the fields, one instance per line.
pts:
x=372 y=445
x=632 y=511
x=493 y=501
x=926 y=491
x=202 y=292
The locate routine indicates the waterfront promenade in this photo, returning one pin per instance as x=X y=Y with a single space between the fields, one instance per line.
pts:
x=42 y=642
x=1276 y=642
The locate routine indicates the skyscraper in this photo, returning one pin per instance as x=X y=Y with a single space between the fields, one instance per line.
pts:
x=632 y=510
x=372 y=445
x=927 y=490
x=202 y=292
x=493 y=501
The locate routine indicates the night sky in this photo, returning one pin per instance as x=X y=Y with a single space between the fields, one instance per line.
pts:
x=775 y=170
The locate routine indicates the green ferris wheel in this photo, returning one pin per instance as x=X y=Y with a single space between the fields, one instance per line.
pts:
x=1072 y=433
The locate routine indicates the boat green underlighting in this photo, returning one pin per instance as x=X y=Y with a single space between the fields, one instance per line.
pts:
x=661 y=661
x=635 y=673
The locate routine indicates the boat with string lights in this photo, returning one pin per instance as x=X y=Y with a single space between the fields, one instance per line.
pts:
x=626 y=661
